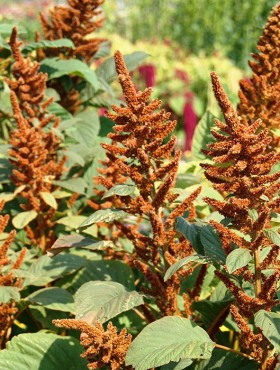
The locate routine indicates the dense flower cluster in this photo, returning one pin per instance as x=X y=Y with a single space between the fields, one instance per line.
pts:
x=259 y=95
x=102 y=347
x=8 y=278
x=242 y=169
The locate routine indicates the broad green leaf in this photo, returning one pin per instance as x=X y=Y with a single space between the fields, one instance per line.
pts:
x=121 y=190
x=184 y=261
x=269 y=323
x=53 y=298
x=77 y=185
x=107 y=69
x=111 y=270
x=72 y=222
x=202 y=135
x=23 y=218
x=103 y=51
x=7 y=197
x=56 y=68
x=209 y=311
x=102 y=300
x=6 y=29
x=44 y=351
x=190 y=232
x=59 y=111
x=103 y=215
x=168 y=339
x=73 y=158
x=85 y=127
x=181 y=365
x=273 y=235
x=212 y=244
x=45 y=269
x=77 y=241
x=60 y=43
x=8 y=294
x=60 y=194
x=224 y=360
x=49 y=199
x=238 y=258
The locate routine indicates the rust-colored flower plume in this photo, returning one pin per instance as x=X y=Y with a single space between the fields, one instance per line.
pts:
x=102 y=347
x=242 y=171
x=8 y=310
x=75 y=21
x=142 y=152
x=34 y=145
x=260 y=95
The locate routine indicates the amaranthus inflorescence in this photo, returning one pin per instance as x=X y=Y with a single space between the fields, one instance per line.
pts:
x=102 y=348
x=34 y=146
x=76 y=22
x=260 y=95
x=9 y=309
x=242 y=170
x=139 y=154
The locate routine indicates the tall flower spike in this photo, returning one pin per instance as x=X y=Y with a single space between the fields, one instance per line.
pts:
x=34 y=147
x=75 y=21
x=138 y=153
x=260 y=95
x=102 y=348
x=8 y=310
x=242 y=166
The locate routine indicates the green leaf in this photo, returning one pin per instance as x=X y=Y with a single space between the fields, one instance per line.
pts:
x=269 y=323
x=8 y=294
x=202 y=135
x=238 y=258
x=76 y=185
x=72 y=222
x=168 y=339
x=111 y=270
x=184 y=261
x=53 y=298
x=77 y=241
x=103 y=215
x=103 y=51
x=212 y=244
x=42 y=351
x=190 y=232
x=60 y=43
x=59 y=111
x=56 y=68
x=45 y=269
x=121 y=190
x=22 y=219
x=224 y=360
x=273 y=236
x=85 y=127
x=49 y=199
x=102 y=300
x=181 y=365
x=107 y=69
x=6 y=29
x=209 y=311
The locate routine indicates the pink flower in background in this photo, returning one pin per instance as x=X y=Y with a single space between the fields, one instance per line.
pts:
x=182 y=75
x=189 y=119
x=148 y=73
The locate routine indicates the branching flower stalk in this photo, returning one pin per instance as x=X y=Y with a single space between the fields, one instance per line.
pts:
x=8 y=279
x=76 y=21
x=241 y=169
x=34 y=145
x=139 y=153
x=260 y=95
x=102 y=347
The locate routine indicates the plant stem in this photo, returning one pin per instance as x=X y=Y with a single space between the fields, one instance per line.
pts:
x=258 y=273
x=232 y=350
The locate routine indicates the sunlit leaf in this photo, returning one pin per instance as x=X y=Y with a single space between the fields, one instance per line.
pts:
x=171 y=338
x=184 y=261
x=238 y=258
x=8 y=294
x=121 y=190
x=103 y=215
x=103 y=300
x=23 y=218
x=49 y=199
x=53 y=298
x=269 y=323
